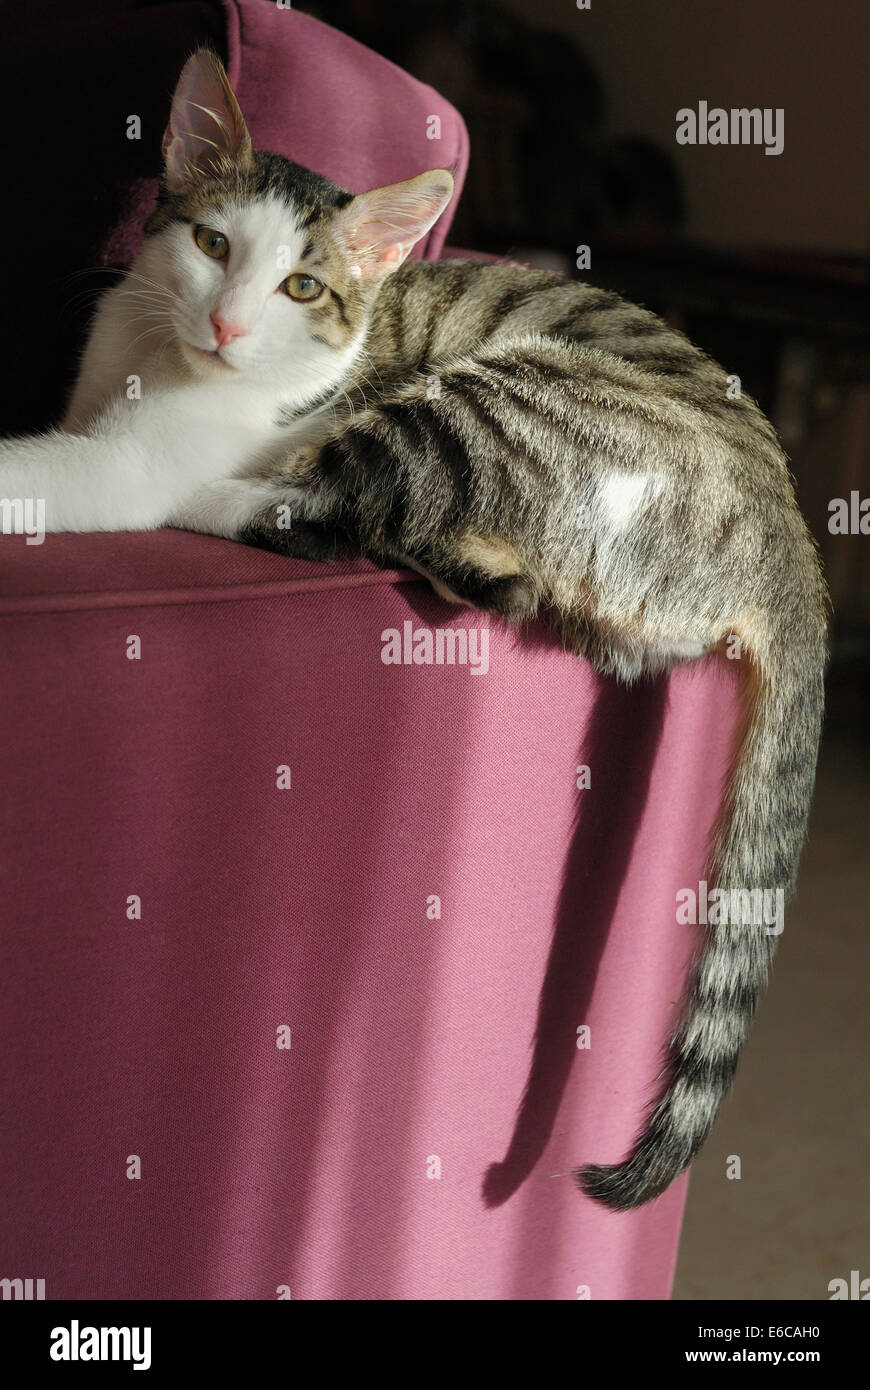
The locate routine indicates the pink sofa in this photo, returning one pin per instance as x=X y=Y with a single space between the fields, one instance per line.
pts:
x=335 y=1021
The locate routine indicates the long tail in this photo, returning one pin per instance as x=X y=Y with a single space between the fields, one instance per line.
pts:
x=758 y=845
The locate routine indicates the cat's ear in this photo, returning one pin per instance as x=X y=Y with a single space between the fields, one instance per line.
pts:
x=380 y=228
x=206 y=127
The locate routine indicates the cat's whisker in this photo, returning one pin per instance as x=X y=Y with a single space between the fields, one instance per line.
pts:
x=157 y=328
x=78 y=300
x=96 y=270
x=148 y=293
x=154 y=285
x=144 y=303
x=159 y=358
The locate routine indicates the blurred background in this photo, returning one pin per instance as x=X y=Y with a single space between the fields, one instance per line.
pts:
x=763 y=261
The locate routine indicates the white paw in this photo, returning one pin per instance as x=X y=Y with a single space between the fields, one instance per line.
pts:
x=226 y=508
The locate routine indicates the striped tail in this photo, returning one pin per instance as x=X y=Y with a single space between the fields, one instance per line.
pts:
x=758 y=845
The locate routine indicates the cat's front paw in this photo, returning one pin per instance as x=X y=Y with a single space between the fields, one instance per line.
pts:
x=226 y=508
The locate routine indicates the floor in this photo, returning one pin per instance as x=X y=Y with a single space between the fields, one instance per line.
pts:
x=799 y=1117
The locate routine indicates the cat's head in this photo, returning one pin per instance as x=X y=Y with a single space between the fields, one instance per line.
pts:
x=270 y=269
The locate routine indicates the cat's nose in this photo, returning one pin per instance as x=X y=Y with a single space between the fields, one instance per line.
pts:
x=225 y=331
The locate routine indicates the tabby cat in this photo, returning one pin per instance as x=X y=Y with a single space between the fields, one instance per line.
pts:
x=533 y=445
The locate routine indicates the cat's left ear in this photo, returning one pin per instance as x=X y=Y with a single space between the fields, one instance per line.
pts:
x=206 y=128
x=379 y=229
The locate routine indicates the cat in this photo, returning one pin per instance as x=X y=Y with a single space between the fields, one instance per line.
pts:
x=534 y=446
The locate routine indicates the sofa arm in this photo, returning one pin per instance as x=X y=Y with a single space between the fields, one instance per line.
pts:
x=310 y=933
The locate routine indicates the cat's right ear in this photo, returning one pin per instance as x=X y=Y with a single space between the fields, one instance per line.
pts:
x=379 y=229
x=206 y=128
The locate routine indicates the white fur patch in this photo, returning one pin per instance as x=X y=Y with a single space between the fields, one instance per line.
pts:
x=621 y=496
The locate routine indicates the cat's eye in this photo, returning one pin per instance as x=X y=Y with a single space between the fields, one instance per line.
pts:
x=301 y=287
x=213 y=243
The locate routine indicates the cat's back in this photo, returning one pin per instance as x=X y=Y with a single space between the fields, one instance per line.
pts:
x=430 y=310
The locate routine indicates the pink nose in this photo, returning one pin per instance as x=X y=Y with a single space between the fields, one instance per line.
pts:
x=224 y=331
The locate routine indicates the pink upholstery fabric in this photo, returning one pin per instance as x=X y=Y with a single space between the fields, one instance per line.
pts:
x=412 y=1039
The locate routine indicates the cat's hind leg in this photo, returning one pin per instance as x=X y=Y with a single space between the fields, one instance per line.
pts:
x=483 y=572
x=301 y=540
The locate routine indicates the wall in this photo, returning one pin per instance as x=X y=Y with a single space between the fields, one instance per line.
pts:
x=811 y=59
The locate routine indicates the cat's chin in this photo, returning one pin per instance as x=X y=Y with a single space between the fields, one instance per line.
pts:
x=204 y=362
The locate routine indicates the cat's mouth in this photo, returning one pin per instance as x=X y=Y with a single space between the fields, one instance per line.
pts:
x=211 y=356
